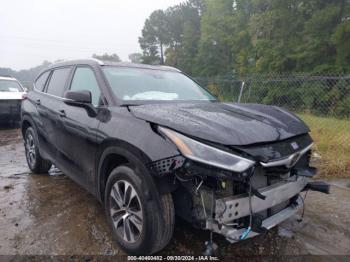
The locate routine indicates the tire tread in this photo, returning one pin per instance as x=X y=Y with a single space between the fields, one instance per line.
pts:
x=41 y=166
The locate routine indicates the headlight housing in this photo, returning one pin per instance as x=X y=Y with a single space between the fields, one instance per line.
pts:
x=206 y=154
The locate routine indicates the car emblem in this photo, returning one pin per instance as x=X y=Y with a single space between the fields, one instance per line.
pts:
x=294 y=159
x=294 y=145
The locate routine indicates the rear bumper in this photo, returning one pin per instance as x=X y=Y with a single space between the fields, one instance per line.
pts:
x=10 y=110
x=228 y=210
x=13 y=117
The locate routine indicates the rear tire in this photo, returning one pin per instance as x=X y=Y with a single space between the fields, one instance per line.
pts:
x=150 y=221
x=34 y=160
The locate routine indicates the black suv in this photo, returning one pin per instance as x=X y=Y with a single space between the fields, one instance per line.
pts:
x=150 y=143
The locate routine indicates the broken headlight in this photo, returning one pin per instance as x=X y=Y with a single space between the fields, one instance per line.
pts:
x=206 y=154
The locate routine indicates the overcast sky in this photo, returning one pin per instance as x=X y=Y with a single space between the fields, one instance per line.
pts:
x=37 y=30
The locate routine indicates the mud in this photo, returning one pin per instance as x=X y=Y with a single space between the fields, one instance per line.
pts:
x=51 y=215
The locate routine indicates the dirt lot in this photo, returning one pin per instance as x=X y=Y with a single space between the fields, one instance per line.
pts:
x=51 y=215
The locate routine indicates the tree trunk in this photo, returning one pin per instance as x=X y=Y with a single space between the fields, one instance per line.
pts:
x=161 y=54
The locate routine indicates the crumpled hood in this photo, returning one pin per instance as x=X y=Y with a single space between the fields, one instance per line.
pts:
x=224 y=123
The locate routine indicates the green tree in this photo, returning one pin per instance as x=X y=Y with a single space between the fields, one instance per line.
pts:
x=155 y=36
x=184 y=23
x=135 y=58
x=227 y=37
x=214 y=55
x=317 y=52
x=107 y=57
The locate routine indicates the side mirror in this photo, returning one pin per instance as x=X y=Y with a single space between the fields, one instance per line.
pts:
x=74 y=97
x=80 y=99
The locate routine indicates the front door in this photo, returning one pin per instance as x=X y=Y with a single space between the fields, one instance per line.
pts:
x=77 y=131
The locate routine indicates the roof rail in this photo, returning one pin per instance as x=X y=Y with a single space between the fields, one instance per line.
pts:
x=9 y=76
x=170 y=67
x=100 y=62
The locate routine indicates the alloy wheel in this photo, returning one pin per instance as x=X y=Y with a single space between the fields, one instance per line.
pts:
x=30 y=149
x=126 y=211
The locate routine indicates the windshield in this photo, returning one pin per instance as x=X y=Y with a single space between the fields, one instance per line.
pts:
x=10 y=86
x=130 y=84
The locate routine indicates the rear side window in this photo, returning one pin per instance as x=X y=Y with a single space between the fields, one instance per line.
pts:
x=58 y=81
x=41 y=81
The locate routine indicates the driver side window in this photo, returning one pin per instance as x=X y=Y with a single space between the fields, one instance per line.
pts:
x=84 y=79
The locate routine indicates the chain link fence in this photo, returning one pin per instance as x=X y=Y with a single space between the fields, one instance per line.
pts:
x=322 y=101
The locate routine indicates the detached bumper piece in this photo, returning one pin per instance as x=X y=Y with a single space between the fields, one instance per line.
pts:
x=318 y=186
x=235 y=207
x=233 y=235
x=231 y=209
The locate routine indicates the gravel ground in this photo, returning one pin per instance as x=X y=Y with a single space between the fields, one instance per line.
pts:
x=51 y=215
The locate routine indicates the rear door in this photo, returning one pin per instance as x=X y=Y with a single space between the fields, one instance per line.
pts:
x=77 y=131
x=37 y=114
x=48 y=107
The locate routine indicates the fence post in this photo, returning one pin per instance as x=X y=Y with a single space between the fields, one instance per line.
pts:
x=241 y=92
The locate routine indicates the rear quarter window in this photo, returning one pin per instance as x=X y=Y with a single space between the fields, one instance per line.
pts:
x=41 y=81
x=58 y=81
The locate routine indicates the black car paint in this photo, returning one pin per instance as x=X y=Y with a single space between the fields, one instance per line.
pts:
x=74 y=142
x=224 y=123
x=77 y=143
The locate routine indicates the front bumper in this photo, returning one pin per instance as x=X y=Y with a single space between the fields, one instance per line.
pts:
x=233 y=235
x=229 y=209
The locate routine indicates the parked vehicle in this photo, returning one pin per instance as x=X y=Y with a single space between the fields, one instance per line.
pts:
x=11 y=95
x=150 y=143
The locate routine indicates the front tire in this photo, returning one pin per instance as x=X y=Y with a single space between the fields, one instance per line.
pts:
x=34 y=160
x=140 y=225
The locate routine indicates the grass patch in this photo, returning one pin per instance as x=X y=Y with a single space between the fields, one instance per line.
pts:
x=332 y=144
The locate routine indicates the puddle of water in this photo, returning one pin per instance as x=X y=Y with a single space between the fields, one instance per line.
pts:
x=285 y=232
x=54 y=171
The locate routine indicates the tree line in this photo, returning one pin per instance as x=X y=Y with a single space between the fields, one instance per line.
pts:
x=28 y=76
x=239 y=37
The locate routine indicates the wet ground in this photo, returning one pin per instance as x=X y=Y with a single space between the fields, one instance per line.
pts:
x=51 y=215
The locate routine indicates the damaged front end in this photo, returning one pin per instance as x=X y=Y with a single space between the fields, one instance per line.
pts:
x=238 y=192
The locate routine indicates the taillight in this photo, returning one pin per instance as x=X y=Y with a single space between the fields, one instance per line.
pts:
x=24 y=96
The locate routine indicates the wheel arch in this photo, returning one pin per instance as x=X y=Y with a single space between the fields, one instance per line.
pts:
x=26 y=122
x=113 y=153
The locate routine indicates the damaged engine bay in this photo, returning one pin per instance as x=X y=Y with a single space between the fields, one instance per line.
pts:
x=240 y=205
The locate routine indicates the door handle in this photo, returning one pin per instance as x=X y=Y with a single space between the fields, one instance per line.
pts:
x=62 y=113
x=37 y=101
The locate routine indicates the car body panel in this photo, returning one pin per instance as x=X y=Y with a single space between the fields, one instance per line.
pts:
x=276 y=150
x=223 y=123
x=120 y=124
